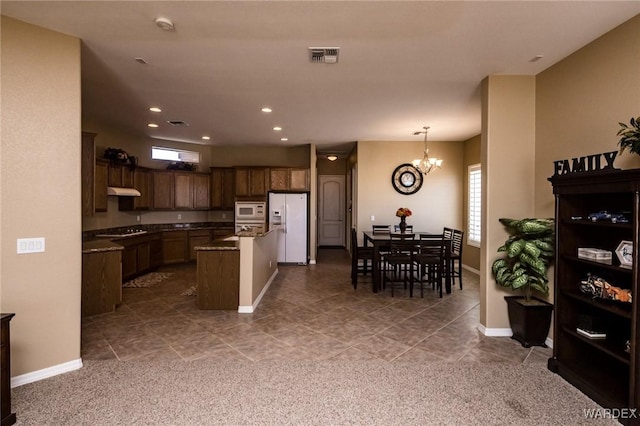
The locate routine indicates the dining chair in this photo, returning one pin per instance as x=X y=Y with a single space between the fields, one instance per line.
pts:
x=399 y=262
x=447 y=232
x=430 y=262
x=455 y=262
x=409 y=228
x=381 y=229
x=358 y=254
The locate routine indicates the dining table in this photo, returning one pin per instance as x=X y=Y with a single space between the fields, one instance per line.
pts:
x=379 y=240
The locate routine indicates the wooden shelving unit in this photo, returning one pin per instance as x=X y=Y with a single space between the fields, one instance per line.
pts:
x=601 y=368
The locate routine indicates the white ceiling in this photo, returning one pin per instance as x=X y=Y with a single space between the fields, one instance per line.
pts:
x=402 y=65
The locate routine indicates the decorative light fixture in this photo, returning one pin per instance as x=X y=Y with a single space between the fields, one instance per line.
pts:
x=164 y=23
x=426 y=165
x=332 y=157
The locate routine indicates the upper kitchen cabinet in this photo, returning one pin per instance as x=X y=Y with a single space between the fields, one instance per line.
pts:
x=94 y=178
x=252 y=182
x=100 y=184
x=120 y=176
x=183 y=194
x=299 y=179
x=180 y=190
x=162 y=190
x=223 y=189
x=141 y=182
x=289 y=179
x=201 y=191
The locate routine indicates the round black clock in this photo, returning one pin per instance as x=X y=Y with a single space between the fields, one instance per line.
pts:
x=406 y=179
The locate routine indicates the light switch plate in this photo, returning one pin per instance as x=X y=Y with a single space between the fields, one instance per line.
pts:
x=30 y=245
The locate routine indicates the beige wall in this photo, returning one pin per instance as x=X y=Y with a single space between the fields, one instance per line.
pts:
x=40 y=187
x=227 y=156
x=507 y=152
x=579 y=102
x=436 y=205
x=471 y=156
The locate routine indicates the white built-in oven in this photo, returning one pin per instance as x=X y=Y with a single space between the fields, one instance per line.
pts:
x=259 y=228
x=251 y=211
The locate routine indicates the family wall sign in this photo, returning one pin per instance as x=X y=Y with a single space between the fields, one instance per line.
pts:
x=589 y=163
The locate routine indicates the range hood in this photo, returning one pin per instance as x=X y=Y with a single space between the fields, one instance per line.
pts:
x=123 y=192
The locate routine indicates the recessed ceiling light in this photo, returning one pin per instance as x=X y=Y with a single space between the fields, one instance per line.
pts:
x=206 y=138
x=266 y=109
x=277 y=128
x=152 y=125
x=536 y=58
x=284 y=139
x=164 y=23
x=141 y=61
x=155 y=109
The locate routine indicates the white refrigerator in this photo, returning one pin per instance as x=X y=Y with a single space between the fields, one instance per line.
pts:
x=288 y=216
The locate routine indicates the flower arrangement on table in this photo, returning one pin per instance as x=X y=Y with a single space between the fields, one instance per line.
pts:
x=403 y=212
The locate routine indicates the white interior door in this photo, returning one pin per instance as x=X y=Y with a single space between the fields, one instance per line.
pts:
x=331 y=210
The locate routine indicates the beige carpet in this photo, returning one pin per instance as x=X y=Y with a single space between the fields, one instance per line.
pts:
x=209 y=392
x=147 y=280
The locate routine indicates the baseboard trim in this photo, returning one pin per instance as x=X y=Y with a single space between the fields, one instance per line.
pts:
x=495 y=332
x=470 y=269
x=45 y=373
x=506 y=332
x=250 y=309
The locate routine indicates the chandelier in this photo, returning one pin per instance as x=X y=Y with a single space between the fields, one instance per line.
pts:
x=426 y=165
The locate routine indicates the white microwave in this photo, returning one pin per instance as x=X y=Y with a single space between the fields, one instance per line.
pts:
x=250 y=211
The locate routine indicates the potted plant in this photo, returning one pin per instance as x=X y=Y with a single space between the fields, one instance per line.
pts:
x=630 y=136
x=529 y=252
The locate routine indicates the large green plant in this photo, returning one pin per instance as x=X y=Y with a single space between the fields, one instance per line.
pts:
x=529 y=252
x=630 y=136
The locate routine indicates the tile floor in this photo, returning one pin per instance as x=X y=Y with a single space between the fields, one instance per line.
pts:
x=309 y=313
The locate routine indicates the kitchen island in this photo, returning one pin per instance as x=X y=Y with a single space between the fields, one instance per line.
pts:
x=101 y=277
x=235 y=272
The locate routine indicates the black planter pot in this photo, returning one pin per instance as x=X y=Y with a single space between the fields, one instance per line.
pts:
x=529 y=322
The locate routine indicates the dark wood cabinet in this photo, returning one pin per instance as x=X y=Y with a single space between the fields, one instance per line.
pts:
x=252 y=182
x=100 y=185
x=155 y=250
x=94 y=178
x=299 y=179
x=141 y=254
x=201 y=191
x=162 y=190
x=183 y=191
x=121 y=175
x=141 y=182
x=218 y=279
x=180 y=190
x=223 y=188
x=101 y=282
x=174 y=247
x=198 y=237
x=604 y=369
x=289 y=179
x=279 y=179
x=7 y=417
x=88 y=164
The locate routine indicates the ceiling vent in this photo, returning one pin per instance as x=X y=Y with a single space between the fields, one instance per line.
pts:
x=178 y=123
x=324 y=55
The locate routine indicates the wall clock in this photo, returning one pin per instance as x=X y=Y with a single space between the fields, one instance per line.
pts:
x=406 y=179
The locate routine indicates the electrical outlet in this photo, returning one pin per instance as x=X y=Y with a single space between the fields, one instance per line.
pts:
x=269 y=264
x=179 y=216
x=224 y=216
x=30 y=245
x=138 y=218
x=373 y=218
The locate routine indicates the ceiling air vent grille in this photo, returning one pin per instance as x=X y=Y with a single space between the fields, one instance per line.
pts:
x=178 y=123
x=324 y=55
